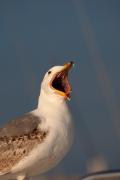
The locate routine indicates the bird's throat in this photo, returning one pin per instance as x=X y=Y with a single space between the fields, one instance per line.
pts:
x=51 y=104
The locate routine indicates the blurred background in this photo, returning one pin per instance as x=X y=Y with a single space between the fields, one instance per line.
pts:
x=35 y=35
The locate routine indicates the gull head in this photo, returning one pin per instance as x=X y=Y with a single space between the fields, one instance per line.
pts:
x=55 y=82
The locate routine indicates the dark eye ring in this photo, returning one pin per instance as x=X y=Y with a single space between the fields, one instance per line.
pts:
x=49 y=72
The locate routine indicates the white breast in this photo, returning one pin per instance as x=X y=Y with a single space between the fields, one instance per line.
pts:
x=51 y=151
x=57 y=120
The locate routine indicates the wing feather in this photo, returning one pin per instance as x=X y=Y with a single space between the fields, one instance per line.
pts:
x=20 y=126
x=17 y=139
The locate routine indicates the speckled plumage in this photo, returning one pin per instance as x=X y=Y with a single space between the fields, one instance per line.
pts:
x=17 y=139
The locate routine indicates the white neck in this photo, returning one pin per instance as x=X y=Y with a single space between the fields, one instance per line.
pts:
x=55 y=114
x=48 y=104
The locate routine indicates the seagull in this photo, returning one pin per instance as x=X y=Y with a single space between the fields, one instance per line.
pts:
x=37 y=141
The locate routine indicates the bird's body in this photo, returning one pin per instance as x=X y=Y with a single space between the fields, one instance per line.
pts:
x=37 y=141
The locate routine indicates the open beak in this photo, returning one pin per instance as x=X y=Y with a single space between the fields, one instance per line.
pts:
x=60 y=81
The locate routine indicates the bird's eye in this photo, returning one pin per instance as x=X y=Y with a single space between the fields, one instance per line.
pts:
x=49 y=72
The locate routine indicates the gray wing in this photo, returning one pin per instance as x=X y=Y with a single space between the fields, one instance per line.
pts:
x=20 y=126
x=17 y=139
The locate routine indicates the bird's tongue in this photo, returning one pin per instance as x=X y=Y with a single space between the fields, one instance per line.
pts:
x=66 y=85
